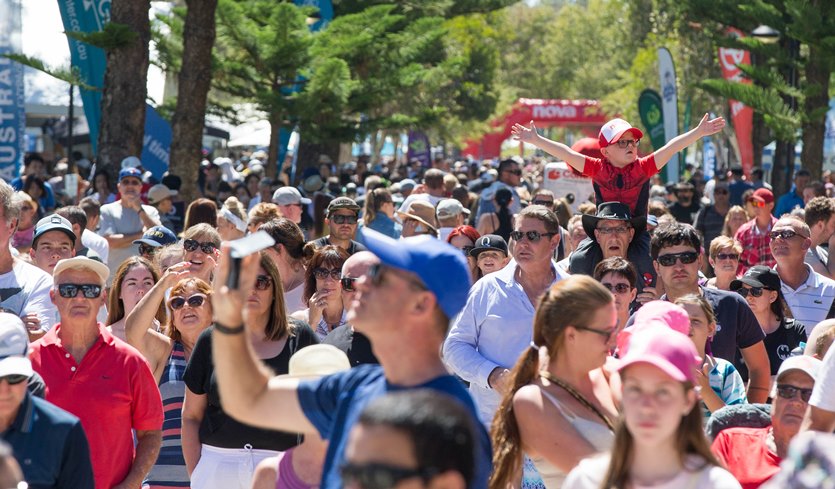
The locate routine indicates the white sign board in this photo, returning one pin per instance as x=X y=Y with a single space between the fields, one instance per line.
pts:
x=562 y=180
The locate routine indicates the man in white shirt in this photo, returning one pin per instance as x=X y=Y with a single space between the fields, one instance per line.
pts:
x=809 y=295
x=24 y=288
x=89 y=238
x=125 y=220
x=819 y=215
x=496 y=324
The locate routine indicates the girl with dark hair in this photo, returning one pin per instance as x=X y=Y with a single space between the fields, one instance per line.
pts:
x=379 y=213
x=36 y=189
x=501 y=221
x=102 y=190
x=559 y=407
x=660 y=442
x=323 y=292
x=201 y=210
x=761 y=287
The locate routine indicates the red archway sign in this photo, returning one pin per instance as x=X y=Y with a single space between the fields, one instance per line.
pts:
x=582 y=114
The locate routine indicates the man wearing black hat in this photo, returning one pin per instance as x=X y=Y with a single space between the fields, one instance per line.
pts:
x=685 y=207
x=343 y=215
x=614 y=232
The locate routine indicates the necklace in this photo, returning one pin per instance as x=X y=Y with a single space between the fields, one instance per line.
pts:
x=579 y=397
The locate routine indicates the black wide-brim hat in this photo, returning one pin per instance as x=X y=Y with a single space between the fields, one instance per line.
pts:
x=613 y=211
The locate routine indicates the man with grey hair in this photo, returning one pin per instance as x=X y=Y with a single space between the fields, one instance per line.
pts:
x=24 y=288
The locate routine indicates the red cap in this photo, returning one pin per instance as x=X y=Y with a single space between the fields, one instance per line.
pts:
x=614 y=129
x=763 y=195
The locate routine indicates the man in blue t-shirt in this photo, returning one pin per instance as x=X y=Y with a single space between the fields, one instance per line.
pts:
x=403 y=305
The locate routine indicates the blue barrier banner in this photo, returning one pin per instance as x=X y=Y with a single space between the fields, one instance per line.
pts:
x=156 y=145
x=90 y=61
x=12 y=112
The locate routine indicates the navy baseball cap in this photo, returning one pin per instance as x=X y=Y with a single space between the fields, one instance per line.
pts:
x=157 y=236
x=489 y=242
x=130 y=172
x=440 y=266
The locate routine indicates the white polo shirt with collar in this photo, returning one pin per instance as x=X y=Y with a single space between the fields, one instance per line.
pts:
x=812 y=302
x=493 y=329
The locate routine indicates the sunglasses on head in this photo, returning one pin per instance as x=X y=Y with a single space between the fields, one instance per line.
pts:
x=68 y=291
x=263 y=282
x=145 y=249
x=625 y=143
x=14 y=379
x=617 y=288
x=686 y=258
x=784 y=234
x=343 y=219
x=532 y=236
x=753 y=292
x=348 y=284
x=193 y=244
x=324 y=273
x=379 y=476
x=789 y=392
x=194 y=301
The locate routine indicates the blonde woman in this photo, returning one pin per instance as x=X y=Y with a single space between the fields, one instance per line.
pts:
x=231 y=220
x=734 y=219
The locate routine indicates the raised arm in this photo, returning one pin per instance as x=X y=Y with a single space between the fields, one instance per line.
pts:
x=247 y=391
x=553 y=148
x=678 y=143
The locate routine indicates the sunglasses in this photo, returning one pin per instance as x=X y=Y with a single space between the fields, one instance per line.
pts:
x=467 y=249
x=533 y=236
x=546 y=203
x=379 y=476
x=27 y=208
x=516 y=172
x=145 y=249
x=68 y=291
x=193 y=244
x=194 y=301
x=606 y=334
x=756 y=203
x=789 y=391
x=347 y=284
x=14 y=379
x=625 y=143
x=753 y=291
x=617 y=288
x=324 y=273
x=263 y=282
x=669 y=260
x=343 y=219
x=721 y=191
x=784 y=234
x=727 y=256
x=614 y=230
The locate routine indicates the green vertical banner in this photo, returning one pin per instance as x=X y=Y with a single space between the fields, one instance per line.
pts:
x=649 y=106
x=688 y=109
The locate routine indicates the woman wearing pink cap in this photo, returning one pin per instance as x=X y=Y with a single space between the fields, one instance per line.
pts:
x=660 y=443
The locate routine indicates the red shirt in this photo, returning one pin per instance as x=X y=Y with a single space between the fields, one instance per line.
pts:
x=622 y=185
x=112 y=391
x=756 y=249
x=744 y=452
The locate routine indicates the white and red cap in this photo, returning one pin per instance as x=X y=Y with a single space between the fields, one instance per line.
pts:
x=614 y=129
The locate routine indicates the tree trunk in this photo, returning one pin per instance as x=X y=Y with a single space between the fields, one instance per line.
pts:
x=817 y=90
x=309 y=153
x=194 y=81
x=781 y=173
x=123 y=100
x=272 y=153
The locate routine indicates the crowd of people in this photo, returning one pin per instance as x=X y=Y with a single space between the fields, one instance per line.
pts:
x=451 y=326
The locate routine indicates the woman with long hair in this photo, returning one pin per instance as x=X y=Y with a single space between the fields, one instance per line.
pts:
x=134 y=278
x=102 y=190
x=25 y=233
x=660 y=442
x=559 y=407
x=201 y=210
x=323 y=292
x=464 y=238
x=761 y=288
x=501 y=221
x=288 y=256
x=168 y=353
x=231 y=220
x=219 y=451
x=379 y=213
x=36 y=189
x=734 y=219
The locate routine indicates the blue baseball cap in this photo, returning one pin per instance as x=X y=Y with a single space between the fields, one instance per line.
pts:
x=441 y=266
x=157 y=236
x=130 y=172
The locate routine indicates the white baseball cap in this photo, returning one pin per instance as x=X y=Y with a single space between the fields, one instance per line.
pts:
x=450 y=208
x=14 y=347
x=614 y=129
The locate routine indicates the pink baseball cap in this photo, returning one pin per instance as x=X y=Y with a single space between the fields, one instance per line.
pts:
x=614 y=129
x=664 y=348
x=655 y=314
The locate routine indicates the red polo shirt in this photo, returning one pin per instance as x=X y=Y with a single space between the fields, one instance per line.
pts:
x=112 y=391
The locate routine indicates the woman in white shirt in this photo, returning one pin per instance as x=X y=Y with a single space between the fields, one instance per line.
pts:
x=660 y=442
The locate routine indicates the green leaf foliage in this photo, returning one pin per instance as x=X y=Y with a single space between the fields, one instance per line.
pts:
x=112 y=36
x=68 y=75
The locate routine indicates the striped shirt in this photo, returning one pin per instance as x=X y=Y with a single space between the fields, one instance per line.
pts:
x=726 y=383
x=813 y=301
x=170 y=467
